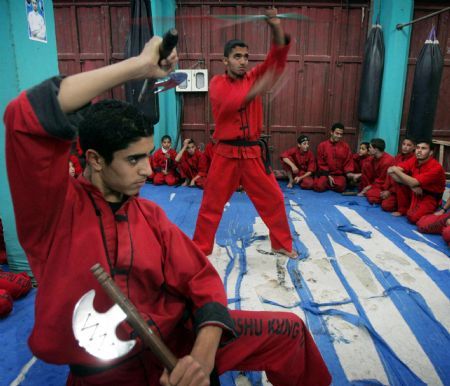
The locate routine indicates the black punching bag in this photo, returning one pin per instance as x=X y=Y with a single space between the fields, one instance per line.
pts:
x=140 y=33
x=425 y=91
x=372 y=76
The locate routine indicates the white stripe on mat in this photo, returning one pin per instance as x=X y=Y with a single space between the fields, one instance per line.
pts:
x=21 y=377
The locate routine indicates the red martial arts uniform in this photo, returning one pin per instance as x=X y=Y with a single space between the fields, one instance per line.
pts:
x=240 y=163
x=390 y=204
x=375 y=174
x=191 y=166
x=304 y=161
x=431 y=177
x=333 y=159
x=160 y=163
x=209 y=154
x=76 y=165
x=65 y=226
x=358 y=162
x=435 y=224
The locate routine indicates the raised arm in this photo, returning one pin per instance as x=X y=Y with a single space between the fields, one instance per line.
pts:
x=77 y=90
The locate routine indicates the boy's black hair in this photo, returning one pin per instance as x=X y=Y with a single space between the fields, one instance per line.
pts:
x=366 y=144
x=337 y=125
x=166 y=137
x=429 y=142
x=111 y=125
x=378 y=143
x=302 y=138
x=230 y=44
x=410 y=139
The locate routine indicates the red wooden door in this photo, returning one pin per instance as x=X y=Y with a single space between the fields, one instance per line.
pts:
x=91 y=34
x=321 y=83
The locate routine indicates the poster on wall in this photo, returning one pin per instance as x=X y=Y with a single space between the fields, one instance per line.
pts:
x=36 y=20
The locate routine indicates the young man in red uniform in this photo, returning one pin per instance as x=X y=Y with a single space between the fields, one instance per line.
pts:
x=66 y=225
x=237 y=110
x=164 y=164
x=437 y=223
x=192 y=164
x=389 y=193
x=300 y=164
x=374 y=172
x=425 y=177
x=334 y=162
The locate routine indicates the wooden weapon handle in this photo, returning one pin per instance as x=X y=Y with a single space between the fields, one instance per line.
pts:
x=149 y=338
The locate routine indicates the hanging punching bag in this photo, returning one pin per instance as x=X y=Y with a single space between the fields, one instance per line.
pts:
x=372 y=76
x=425 y=91
x=140 y=33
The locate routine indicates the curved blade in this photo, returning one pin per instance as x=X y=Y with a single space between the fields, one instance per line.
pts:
x=173 y=80
x=96 y=332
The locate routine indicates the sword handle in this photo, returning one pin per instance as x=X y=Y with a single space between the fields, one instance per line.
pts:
x=169 y=42
x=149 y=338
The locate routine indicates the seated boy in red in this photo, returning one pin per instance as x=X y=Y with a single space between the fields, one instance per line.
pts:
x=425 y=177
x=437 y=223
x=192 y=164
x=374 y=171
x=164 y=164
x=358 y=160
x=389 y=193
x=300 y=164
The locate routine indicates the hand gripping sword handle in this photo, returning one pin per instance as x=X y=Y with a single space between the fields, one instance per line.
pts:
x=169 y=42
x=149 y=338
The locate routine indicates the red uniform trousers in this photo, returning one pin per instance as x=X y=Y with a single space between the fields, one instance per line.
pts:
x=161 y=178
x=393 y=203
x=275 y=342
x=435 y=224
x=224 y=177
x=420 y=206
x=321 y=184
x=305 y=183
x=373 y=195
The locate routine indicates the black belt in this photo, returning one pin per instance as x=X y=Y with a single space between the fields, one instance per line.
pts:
x=437 y=196
x=262 y=143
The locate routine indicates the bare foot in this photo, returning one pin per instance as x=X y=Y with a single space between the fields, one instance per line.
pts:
x=397 y=214
x=289 y=185
x=292 y=255
x=360 y=194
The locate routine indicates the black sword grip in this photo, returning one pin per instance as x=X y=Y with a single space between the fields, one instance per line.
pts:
x=169 y=42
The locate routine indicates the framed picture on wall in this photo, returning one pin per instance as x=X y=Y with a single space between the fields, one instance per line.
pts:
x=36 y=20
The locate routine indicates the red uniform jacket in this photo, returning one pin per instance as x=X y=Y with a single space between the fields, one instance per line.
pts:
x=358 y=162
x=192 y=165
x=304 y=161
x=334 y=158
x=430 y=174
x=58 y=222
x=160 y=162
x=234 y=120
x=389 y=184
x=377 y=170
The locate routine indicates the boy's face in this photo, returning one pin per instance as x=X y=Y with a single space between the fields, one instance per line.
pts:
x=336 y=135
x=166 y=144
x=363 y=150
x=237 y=62
x=407 y=146
x=191 y=148
x=372 y=150
x=423 y=151
x=304 y=146
x=128 y=171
